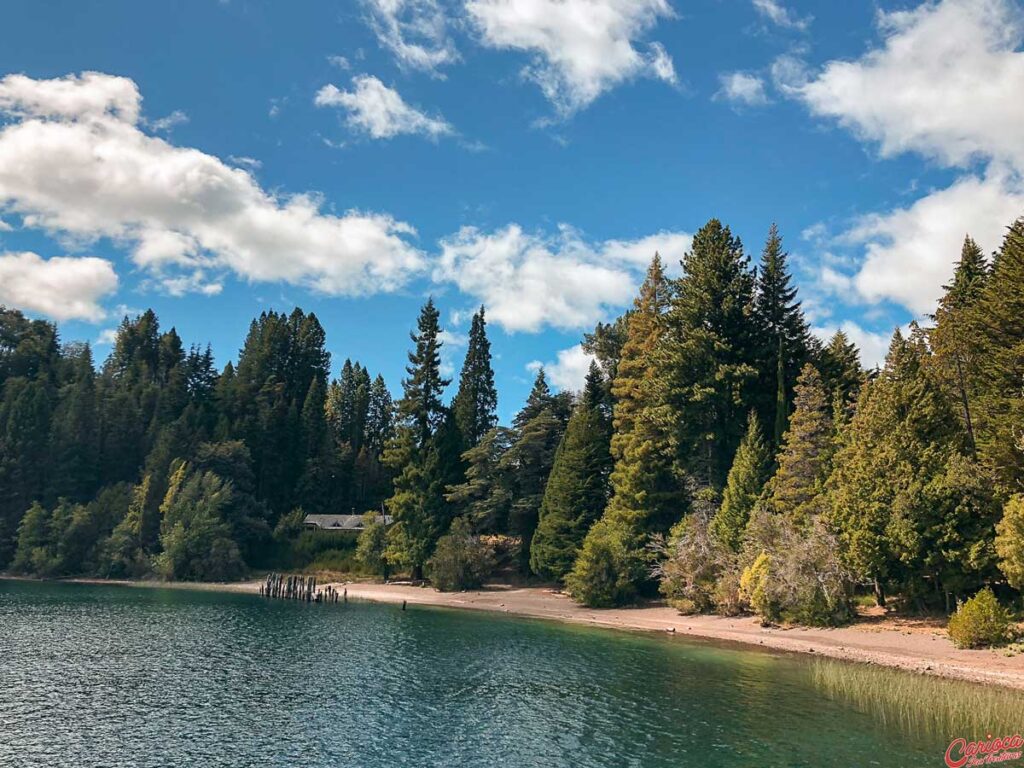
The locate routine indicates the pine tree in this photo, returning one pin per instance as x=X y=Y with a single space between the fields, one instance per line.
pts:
x=707 y=365
x=841 y=371
x=476 y=402
x=803 y=462
x=577 y=488
x=782 y=333
x=485 y=496
x=952 y=339
x=421 y=465
x=74 y=434
x=743 y=486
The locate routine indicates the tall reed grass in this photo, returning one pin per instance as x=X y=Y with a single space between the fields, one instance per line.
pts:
x=918 y=703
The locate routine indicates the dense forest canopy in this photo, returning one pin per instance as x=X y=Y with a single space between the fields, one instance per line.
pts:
x=719 y=452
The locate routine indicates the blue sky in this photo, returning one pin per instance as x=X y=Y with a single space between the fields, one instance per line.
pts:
x=351 y=158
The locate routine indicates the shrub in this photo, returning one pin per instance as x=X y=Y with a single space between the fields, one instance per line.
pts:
x=607 y=568
x=980 y=622
x=756 y=588
x=461 y=560
x=372 y=543
x=695 y=568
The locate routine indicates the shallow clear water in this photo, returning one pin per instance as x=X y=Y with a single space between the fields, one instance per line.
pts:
x=102 y=676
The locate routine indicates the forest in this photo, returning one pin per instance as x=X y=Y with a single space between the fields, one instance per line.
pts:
x=719 y=456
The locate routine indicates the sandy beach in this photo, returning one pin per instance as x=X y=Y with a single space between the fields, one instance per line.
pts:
x=915 y=645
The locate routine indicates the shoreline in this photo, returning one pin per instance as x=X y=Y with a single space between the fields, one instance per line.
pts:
x=907 y=644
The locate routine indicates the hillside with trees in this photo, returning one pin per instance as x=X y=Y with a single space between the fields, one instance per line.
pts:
x=719 y=455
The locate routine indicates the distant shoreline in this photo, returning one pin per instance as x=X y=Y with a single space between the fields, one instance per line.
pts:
x=907 y=645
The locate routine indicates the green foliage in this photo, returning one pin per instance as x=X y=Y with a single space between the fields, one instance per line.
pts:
x=476 y=402
x=743 y=486
x=610 y=567
x=803 y=462
x=980 y=622
x=372 y=544
x=576 y=491
x=1009 y=542
x=697 y=569
x=461 y=560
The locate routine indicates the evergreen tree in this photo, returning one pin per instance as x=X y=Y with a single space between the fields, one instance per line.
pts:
x=476 y=402
x=952 y=339
x=422 y=466
x=841 y=371
x=782 y=333
x=999 y=324
x=707 y=364
x=803 y=462
x=612 y=566
x=743 y=486
x=577 y=487
x=485 y=496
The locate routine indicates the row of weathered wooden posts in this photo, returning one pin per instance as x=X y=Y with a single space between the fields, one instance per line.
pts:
x=302 y=588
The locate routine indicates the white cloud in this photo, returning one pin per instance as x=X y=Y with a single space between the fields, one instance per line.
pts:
x=530 y=281
x=909 y=252
x=164 y=124
x=780 y=15
x=581 y=48
x=245 y=162
x=873 y=346
x=62 y=287
x=379 y=111
x=107 y=337
x=742 y=88
x=414 y=31
x=74 y=161
x=569 y=371
x=945 y=83
x=339 y=61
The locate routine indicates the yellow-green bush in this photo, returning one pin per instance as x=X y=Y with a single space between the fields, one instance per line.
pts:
x=980 y=622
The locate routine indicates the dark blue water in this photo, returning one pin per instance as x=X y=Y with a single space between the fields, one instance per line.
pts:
x=116 y=676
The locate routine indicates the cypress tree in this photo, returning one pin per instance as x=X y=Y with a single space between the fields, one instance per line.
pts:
x=999 y=324
x=577 y=487
x=841 y=371
x=476 y=402
x=612 y=566
x=803 y=462
x=743 y=486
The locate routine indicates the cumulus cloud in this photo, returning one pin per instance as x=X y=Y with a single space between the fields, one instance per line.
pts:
x=909 y=252
x=62 y=287
x=780 y=15
x=530 y=281
x=569 y=371
x=580 y=48
x=379 y=111
x=943 y=84
x=742 y=88
x=414 y=31
x=75 y=162
x=873 y=346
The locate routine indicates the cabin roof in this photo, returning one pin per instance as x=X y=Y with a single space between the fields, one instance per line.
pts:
x=340 y=522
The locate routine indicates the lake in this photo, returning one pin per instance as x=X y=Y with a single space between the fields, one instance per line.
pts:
x=120 y=676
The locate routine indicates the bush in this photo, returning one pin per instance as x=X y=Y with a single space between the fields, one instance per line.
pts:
x=372 y=543
x=697 y=569
x=608 y=567
x=794 y=572
x=980 y=622
x=461 y=560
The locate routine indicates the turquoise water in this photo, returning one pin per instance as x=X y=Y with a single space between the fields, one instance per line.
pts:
x=116 y=676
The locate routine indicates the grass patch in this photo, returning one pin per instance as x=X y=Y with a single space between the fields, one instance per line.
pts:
x=918 y=703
